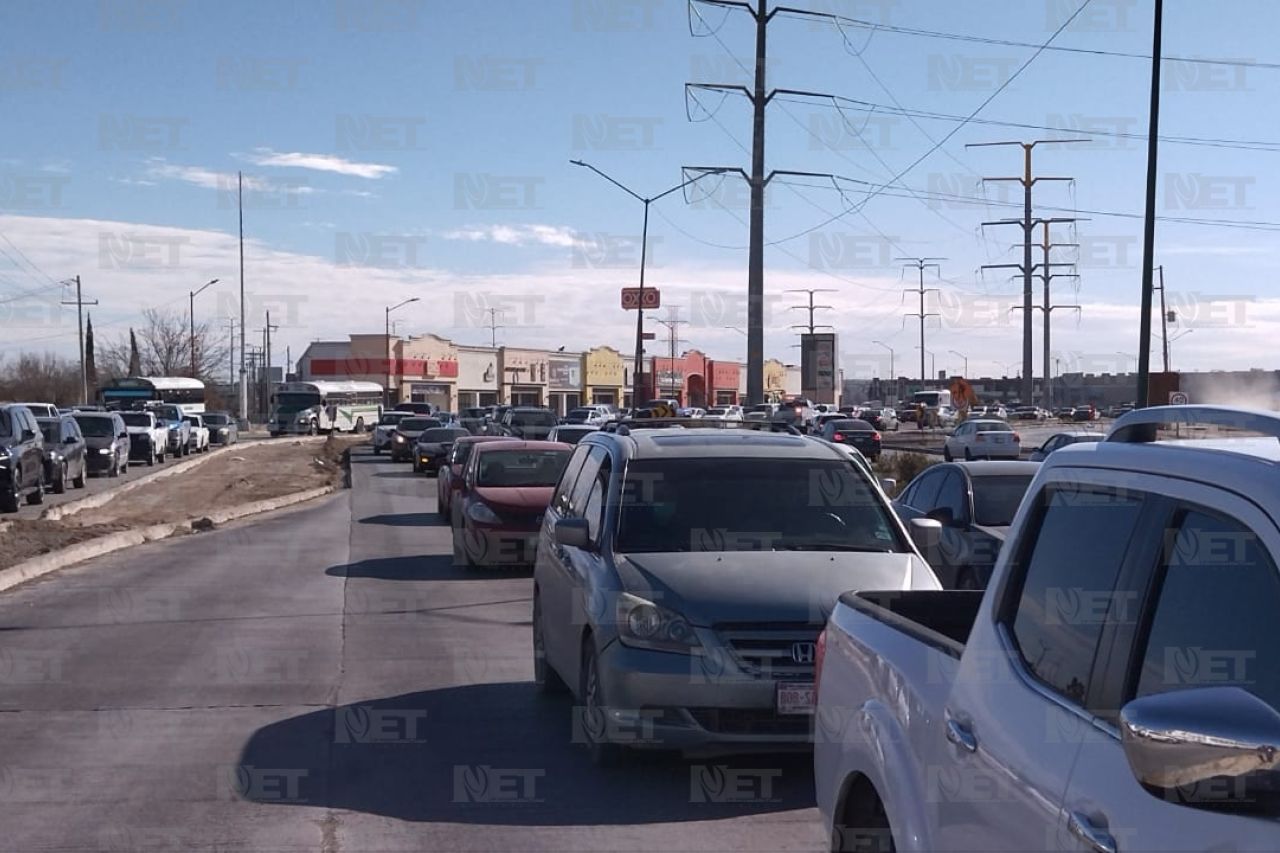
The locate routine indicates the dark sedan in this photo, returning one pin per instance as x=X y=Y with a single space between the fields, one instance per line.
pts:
x=855 y=433
x=975 y=502
x=433 y=446
x=406 y=435
x=64 y=453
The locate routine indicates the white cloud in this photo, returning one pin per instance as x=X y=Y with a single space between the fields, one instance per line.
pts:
x=516 y=235
x=319 y=163
x=199 y=176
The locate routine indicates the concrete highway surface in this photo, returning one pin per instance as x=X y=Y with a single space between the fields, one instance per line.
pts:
x=327 y=680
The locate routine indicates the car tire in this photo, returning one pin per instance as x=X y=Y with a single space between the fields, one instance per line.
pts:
x=79 y=481
x=151 y=459
x=601 y=752
x=12 y=496
x=311 y=428
x=360 y=426
x=946 y=454
x=124 y=467
x=114 y=470
x=36 y=496
x=968 y=455
x=60 y=482
x=544 y=675
x=460 y=556
x=417 y=469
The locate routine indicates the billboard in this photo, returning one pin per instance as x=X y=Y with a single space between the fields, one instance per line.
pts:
x=818 y=355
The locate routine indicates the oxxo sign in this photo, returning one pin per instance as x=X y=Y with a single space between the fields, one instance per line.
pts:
x=631 y=298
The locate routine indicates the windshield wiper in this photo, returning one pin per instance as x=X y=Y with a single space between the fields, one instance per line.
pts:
x=831 y=546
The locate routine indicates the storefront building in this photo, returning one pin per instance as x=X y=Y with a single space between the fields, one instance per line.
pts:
x=726 y=377
x=478 y=383
x=524 y=375
x=605 y=378
x=775 y=381
x=422 y=369
x=564 y=382
x=426 y=371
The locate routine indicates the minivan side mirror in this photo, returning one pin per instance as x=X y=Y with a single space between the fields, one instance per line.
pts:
x=1186 y=737
x=572 y=533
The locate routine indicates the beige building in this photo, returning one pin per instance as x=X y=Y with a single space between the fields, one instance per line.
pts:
x=479 y=383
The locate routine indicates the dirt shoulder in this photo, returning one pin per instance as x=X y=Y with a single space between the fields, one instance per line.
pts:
x=241 y=476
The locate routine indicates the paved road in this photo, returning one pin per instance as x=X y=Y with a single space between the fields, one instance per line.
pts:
x=326 y=680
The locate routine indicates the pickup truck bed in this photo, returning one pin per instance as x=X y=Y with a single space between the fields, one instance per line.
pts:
x=940 y=619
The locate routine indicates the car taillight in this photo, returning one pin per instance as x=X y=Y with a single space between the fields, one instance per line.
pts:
x=819 y=652
x=838 y=437
x=875 y=436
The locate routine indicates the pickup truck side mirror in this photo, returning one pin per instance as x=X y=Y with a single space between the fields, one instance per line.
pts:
x=927 y=534
x=1186 y=737
x=573 y=533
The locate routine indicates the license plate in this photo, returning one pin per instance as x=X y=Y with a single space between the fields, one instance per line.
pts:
x=796 y=698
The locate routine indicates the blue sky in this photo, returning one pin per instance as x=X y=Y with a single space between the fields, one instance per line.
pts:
x=398 y=148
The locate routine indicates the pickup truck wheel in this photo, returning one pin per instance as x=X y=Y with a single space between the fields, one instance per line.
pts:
x=543 y=674
x=595 y=723
x=311 y=428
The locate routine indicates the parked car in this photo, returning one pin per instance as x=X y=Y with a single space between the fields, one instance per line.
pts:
x=854 y=432
x=659 y=586
x=106 y=440
x=571 y=433
x=223 y=428
x=884 y=419
x=450 y=475
x=1115 y=688
x=1061 y=439
x=199 y=440
x=1084 y=413
x=406 y=433
x=473 y=419
x=591 y=415
x=179 y=430
x=21 y=457
x=148 y=438
x=982 y=439
x=385 y=430
x=432 y=448
x=1064 y=413
x=975 y=503
x=724 y=413
x=1027 y=413
x=798 y=412
x=497 y=512
x=527 y=422
x=417 y=408
x=41 y=410
x=64 y=457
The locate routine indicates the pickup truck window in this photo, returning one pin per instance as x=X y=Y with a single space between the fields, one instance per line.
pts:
x=1068 y=584
x=1215 y=619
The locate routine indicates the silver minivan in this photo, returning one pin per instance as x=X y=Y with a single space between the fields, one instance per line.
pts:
x=683 y=575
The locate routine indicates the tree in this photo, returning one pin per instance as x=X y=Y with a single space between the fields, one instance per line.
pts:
x=90 y=363
x=135 y=360
x=162 y=347
x=41 y=378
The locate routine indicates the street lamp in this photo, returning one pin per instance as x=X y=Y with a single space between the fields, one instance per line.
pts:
x=637 y=391
x=191 y=315
x=1175 y=339
x=893 y=370
x=933 y=364
x=736 y=329
x=387 y=317
x=966 y=361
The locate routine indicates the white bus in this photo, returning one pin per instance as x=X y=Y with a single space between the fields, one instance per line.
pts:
x=313 y=407
x=134 y=392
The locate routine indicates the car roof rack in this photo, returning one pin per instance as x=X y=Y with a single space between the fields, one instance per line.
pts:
x=627 y=426
x=1140 y=425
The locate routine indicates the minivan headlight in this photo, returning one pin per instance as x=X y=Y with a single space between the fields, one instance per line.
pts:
x=645 y=625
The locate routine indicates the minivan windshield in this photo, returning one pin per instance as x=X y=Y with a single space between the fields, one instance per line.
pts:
x=521 y=467
x=751 y=504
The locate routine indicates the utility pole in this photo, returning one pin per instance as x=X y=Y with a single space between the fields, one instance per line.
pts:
x=1164 y=321
x=80 y=302
x=1149 y=223
x=759 y=98
x=673 y=324
x=493 y=327
x=921 y=264
x=267 y=330
x=811 y=307
x=1028 y=182
x=892 y=368
x=244 y=389
x=231 y=355
x=191 y=316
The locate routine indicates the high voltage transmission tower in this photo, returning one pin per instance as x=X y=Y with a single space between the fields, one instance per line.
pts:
x=812 y=308
x=920 y=265
x=1046 y=273
x=1028 y=181
x=758 y=96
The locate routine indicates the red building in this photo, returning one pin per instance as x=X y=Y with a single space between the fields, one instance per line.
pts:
x=695 y=380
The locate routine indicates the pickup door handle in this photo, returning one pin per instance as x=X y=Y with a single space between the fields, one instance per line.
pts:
x=1094 y=838
x=961 y=735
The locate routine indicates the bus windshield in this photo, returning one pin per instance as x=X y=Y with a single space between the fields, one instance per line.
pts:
x=289 y=402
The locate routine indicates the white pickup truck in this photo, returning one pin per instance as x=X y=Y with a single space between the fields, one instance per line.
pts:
x=199 y=433
x=148 y=437
x=1114 y=689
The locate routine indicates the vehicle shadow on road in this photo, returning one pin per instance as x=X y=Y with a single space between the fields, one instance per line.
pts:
x=405 y=519
x=423 y=567
x=400 y=475
x=499 y=754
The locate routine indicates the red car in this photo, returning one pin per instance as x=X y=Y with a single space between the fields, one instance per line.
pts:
x=451 y=472
x=506 y=487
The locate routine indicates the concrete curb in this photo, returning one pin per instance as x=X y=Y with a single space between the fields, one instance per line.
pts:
x=54 y=513
x=102 y=545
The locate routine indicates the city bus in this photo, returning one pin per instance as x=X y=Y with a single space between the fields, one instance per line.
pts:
x=134 y=392
x=313 y=407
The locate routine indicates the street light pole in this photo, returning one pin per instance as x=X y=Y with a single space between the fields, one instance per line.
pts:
x=637 y=375
x=966 y=361
x=191 y=315
x=387 y=318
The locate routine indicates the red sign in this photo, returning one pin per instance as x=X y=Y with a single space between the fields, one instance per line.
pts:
x=631 y=298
